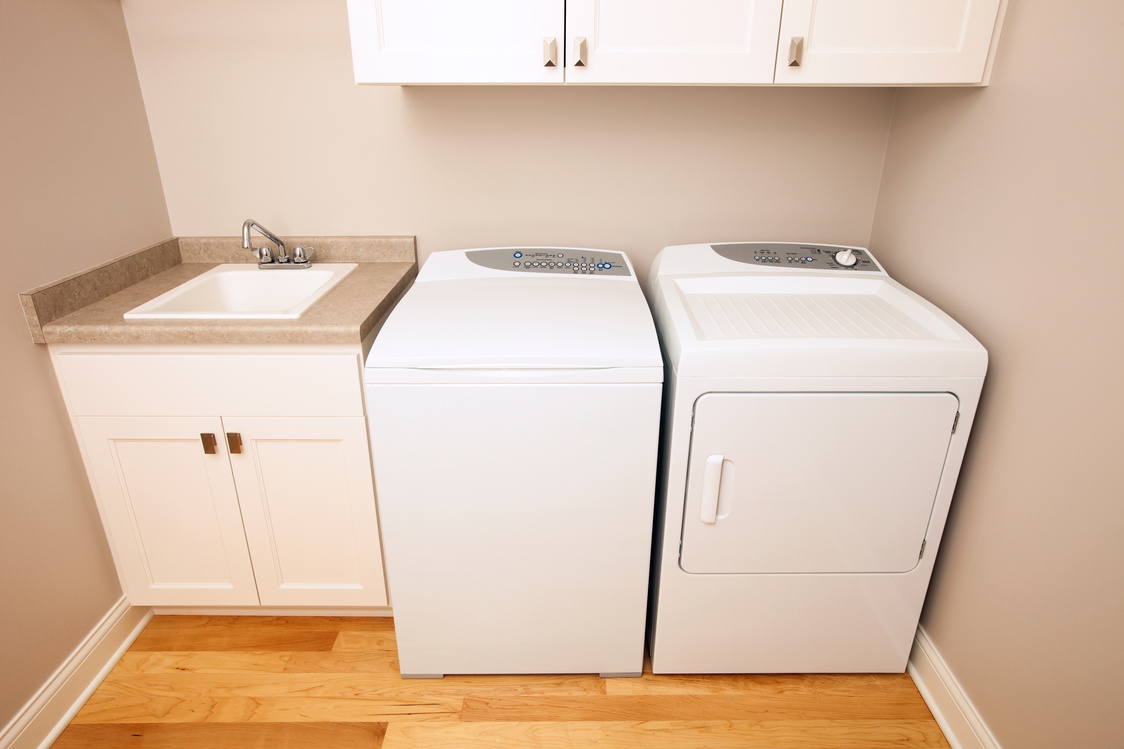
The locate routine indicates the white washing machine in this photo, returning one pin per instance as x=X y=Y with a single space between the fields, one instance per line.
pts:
x=816 y=417
x=514 y=400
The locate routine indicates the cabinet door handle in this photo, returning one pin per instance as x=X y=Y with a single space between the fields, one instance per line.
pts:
x=549 y=52
x=581 y=51
x=795 y=51
x=209 y=443
x=234 y=442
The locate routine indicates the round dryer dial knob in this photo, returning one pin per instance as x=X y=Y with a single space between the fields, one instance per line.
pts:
x=846 y=258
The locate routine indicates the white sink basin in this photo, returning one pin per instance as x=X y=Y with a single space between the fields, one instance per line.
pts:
x=240 y=291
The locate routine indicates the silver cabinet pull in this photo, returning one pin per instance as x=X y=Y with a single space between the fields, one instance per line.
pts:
x=581 y=51
x=209 y=443
x=549 y=52
x=234 y=442
x=795 y=51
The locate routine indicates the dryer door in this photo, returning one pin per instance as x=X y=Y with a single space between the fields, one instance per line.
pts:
x=813 y=482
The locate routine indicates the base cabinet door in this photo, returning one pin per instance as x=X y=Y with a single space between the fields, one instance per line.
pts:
x=885 y=42
x=171 y=509
x=308 y=504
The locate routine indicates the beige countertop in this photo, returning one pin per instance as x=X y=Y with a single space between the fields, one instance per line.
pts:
x=346 y=314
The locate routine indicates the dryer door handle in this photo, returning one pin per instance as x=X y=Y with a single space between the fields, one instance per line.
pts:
x=711 y=486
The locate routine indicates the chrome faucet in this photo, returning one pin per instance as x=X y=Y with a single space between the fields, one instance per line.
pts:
x=301 y=258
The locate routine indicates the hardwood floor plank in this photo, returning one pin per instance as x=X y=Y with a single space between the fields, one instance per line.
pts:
x=343 y=662
x=668 y=735
x=272 y=623
x=812 y=686
x=378 y=640
x=222 y=736
x=686 y=707
x=303 y=709
x=234 y=639
x=222 y=662
x=342 y=686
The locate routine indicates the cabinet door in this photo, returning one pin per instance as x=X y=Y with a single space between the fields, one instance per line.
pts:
x=886 y=41
x=453 y=41
x=817 y=483
x=670 y=41
x=308 y=503
x=171 y=510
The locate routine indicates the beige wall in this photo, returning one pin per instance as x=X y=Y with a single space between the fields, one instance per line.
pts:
x=78 y=186
x=254 y=112
x=1004 y=206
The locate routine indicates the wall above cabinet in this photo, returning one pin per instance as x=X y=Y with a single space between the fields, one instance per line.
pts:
x=673 y=42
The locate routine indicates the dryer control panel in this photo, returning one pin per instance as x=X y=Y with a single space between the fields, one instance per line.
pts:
x=792 y=255
x=557 y=260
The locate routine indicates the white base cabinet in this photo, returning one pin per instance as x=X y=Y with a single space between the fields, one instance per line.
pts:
x=715 y=42
x=267 y=505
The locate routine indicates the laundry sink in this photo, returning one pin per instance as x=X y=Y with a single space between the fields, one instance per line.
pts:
x=241 y=291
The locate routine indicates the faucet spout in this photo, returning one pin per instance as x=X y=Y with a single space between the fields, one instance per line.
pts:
x=263 y=253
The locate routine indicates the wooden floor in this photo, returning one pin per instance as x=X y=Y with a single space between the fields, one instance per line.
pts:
x=324 y=682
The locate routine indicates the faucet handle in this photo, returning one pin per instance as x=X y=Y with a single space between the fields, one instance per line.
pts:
x=303 y=254
x=263 y=254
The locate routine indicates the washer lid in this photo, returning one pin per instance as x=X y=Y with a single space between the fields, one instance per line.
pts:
x=563 y=328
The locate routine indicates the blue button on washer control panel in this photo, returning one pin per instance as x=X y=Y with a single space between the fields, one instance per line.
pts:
x=556 y=260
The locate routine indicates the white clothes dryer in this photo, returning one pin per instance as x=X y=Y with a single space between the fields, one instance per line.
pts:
x=816 y=417
x=513 y=397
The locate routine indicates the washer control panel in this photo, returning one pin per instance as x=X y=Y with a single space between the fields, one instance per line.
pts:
x=557 y=260
x=790 y=255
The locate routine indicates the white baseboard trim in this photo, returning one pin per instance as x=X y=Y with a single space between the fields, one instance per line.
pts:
x=45 y=716
x=954 y=712
x=270 y=611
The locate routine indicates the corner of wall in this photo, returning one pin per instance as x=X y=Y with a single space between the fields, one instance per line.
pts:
x=47 y=714
x=954 y=712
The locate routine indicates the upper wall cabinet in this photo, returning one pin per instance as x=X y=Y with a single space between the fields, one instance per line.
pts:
x=886 y=42
x=571 y=41
x=455 y=41
x=715 y=42
x=671 y=41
